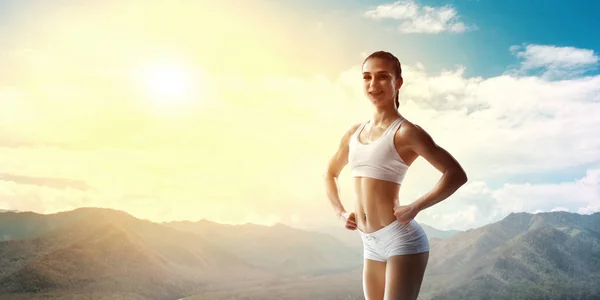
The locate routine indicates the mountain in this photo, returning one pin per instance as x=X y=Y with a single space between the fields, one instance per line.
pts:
x=93 y=250
x=99 y=250
x=19 y=225
x=434 y=233
x=109 y=254
x=102 y=258
x=526 y=256
x=278 y=248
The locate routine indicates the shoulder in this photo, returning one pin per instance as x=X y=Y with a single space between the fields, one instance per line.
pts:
x=350 y=130
x=412 y=134
x=353 y=128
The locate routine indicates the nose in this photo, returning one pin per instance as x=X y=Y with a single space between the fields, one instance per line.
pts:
x=373 y=84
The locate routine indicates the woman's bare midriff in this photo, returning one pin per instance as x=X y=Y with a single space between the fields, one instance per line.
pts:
x=375 y=202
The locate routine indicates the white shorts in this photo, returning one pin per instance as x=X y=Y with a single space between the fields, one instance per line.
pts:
x=394 y=239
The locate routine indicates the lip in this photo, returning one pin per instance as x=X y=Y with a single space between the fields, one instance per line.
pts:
x=376 y=93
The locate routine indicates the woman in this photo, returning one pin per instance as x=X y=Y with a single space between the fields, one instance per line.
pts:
x=379 y=152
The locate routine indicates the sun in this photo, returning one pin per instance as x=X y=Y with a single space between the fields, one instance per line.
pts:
x=170 y=85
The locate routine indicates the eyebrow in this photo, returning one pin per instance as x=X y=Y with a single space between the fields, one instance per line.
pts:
x=385 y=72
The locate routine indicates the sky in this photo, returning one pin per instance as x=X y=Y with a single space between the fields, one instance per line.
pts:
x=229 y=111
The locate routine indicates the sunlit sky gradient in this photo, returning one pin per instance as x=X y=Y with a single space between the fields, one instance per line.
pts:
x=188 y=110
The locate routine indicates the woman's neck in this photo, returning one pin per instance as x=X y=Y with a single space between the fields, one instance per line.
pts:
x=383 y=117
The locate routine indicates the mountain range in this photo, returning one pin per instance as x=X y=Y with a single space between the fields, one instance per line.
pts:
x=109 y=254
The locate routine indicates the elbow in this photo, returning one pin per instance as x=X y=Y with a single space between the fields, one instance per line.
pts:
x=331 y=172
x=458 y=176
x=328 y=175
x=461 y=177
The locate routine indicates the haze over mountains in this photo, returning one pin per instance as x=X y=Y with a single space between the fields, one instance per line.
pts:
x=109 y=254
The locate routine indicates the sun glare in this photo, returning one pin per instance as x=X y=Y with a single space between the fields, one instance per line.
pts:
x=170 y=85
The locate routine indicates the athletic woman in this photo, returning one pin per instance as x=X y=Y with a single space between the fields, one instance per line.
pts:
x=380 y=152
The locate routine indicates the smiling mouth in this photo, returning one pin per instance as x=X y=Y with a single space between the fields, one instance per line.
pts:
x=376 y=93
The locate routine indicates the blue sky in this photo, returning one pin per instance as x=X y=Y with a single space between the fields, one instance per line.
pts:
x=505 y=23
x=500 y=25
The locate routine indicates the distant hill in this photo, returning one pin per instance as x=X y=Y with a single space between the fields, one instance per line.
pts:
x=543 y=256
x=92 y=250
x=109 y=254
x=278 y=248
x=102 y=257
x=433 y=233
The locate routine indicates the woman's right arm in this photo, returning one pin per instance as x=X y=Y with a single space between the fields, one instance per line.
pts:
x=334 y=167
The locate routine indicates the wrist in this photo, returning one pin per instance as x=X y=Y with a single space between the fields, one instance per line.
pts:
x=342 y=214
x=417 y=205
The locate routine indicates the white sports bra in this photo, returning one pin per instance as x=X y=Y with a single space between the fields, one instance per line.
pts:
x=378 y=159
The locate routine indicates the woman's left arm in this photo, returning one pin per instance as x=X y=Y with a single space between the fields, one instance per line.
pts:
x=453 y=175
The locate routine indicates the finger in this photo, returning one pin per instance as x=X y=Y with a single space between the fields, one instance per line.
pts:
x=401 y=213
x=404 y=220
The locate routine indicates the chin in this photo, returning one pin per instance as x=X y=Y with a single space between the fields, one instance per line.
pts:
x=379 y=102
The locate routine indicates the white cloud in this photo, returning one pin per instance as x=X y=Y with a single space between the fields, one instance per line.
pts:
x=476 y=204
x=554 y=62
x=420 y=19
x=42 y=199
x=507 y=125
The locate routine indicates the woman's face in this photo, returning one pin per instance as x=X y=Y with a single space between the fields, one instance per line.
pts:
x=380 y=83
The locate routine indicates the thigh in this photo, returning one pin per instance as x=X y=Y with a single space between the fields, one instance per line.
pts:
x=404 y=276
x=374 y=279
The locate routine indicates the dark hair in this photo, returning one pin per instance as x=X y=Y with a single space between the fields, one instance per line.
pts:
x=395 y=65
